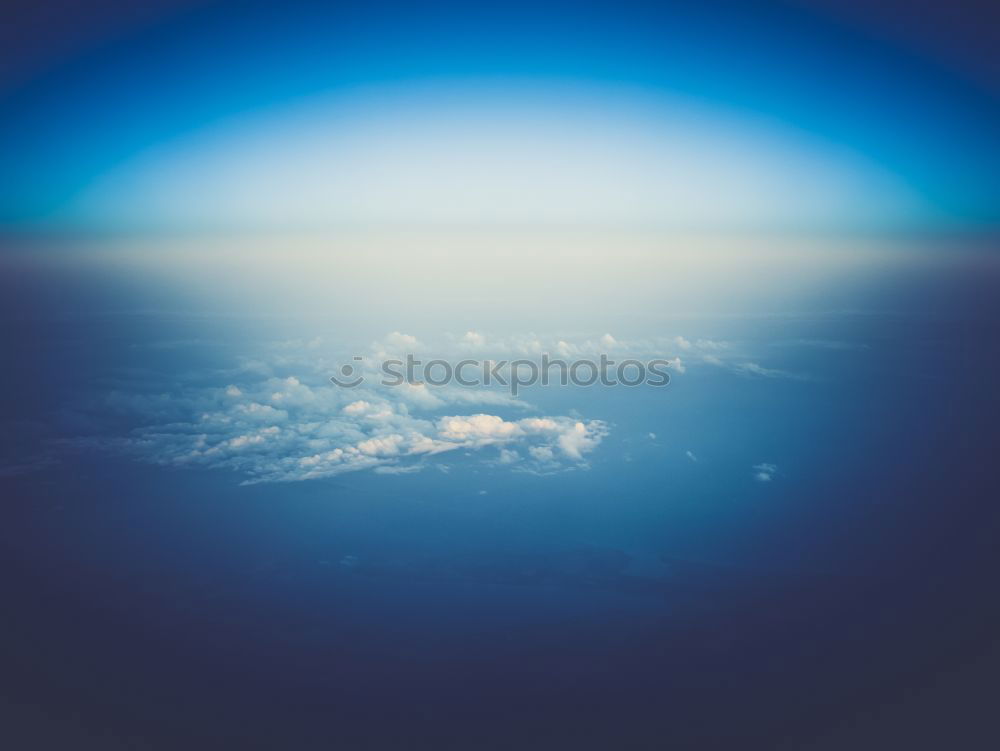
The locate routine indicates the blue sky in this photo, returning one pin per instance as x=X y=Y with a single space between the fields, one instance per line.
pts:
x=804 y=80
x=208 y=208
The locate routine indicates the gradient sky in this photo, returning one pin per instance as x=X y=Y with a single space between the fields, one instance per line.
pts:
x=755 y=114
x=207 y=209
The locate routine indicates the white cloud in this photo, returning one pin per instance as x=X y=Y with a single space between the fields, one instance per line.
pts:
x=419 y=395
x=494 y=349
x=710 y=345
x=399 y=341
x=381 y=446
x=356 y=408
x=276 y=417
x=579 y=440
x=764 y=472
x=473 y=340
x=477 y=429
x=542 y=453
x=298 y=427
x=507 y=456
x=752 y=368
x=397 y=469
x=262 y=412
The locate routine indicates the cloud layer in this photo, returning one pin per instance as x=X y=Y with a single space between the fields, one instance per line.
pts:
x=272 y=428
x=278 y=418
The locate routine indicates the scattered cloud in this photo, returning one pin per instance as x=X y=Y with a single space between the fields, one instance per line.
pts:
x=509 y=456
x=542 y=453
x=400 y=341
x=754 y=369
x=764 y=472
x=473 y=340
x=275 y=417
x=271 y=428
x=398 y=469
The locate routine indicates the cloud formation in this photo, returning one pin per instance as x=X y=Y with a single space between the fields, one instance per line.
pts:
x=680 y=351
x=271 y=428
x=764 y=472
x=276 y=417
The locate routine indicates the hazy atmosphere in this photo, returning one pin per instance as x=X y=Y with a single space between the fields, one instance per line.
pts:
x=752 y=503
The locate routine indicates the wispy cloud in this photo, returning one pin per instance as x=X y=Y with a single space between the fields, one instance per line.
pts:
x=764 y=472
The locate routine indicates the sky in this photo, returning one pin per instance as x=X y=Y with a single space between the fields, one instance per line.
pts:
x=229 y=116
x=210 y=211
